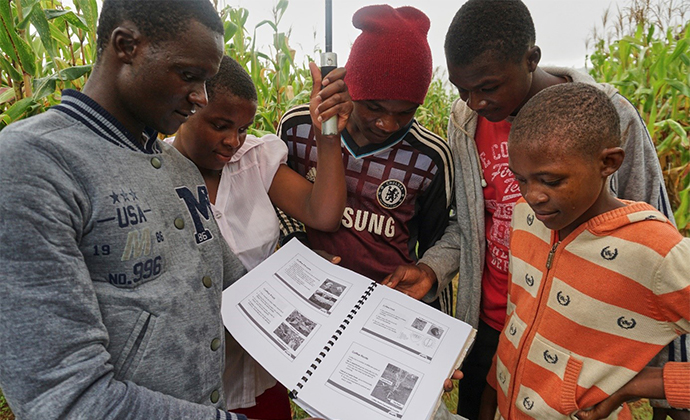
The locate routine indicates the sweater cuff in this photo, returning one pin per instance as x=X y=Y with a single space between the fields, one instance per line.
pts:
x=233 y=416
x=300 y=235
x=677 y=384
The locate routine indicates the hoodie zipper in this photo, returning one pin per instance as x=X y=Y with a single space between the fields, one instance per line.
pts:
x=549 y=260
x=528 y=334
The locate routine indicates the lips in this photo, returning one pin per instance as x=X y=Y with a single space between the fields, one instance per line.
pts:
x=223 y=157
x=186 y=114
x=545 y=216
x=490 y=115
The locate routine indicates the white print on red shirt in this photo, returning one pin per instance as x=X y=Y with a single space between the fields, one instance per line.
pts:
x=504 y=192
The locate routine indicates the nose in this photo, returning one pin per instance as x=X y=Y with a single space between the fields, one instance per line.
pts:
x=233 y=140
x=533 y=195
x=198 y=95
x=387 y=123
x=475 y=102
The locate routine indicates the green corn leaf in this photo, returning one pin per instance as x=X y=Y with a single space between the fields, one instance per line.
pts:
x=12 y=44
x=682 y=214
x=230 y=30
x=71 y=17
x=28 y=10
x=10 y=69
x=266 y=22
x=685 y=59
x=44 y=86
x=6 y=30
x=39 y=21
x=27 y=59
x=89 y=10
x=681 y=47
x=6 y=95
x=666 y=145
x=681 y=87
x=280 y=9
x=75 y=72
x=18 y=109
x=58 y=35
x=680 y=132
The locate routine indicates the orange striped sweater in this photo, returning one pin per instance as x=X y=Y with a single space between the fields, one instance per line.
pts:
x=586 y=314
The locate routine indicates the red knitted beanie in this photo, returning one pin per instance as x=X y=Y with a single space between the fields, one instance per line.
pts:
x=391 y=58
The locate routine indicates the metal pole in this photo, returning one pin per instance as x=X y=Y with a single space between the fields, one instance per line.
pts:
x=329 y=61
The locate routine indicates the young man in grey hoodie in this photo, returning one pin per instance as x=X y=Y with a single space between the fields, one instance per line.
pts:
x=112 y=265
x=494 y=62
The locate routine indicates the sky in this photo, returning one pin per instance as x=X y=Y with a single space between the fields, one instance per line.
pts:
x=562 y=26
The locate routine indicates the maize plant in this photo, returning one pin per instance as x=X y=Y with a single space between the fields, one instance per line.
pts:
x=280 y=84
x=649 y=63
x=43 y=48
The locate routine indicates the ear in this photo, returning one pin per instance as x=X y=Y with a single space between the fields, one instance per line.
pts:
x=533 y=56
x=611 y=159
x=125 y=42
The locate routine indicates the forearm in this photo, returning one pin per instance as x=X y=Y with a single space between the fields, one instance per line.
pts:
x=444 y=256
x=649 y=383
x=326 y=203
x=488 y=404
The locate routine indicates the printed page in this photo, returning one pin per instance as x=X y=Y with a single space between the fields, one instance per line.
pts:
x=286 y=310
x=398 y=353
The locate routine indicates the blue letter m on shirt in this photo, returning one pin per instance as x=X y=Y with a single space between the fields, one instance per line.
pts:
x=197 y=209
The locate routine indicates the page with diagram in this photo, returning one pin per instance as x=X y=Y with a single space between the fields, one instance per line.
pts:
x=336 y=339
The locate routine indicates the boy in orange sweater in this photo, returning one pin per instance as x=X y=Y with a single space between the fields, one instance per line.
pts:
x=598 y=286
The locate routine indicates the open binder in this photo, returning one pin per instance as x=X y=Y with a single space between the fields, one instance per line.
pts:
x=346 y=347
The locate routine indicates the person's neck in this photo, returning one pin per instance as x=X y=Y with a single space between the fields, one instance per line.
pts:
x=605 y=204
x=212 y=181
x=541 y=80
x=99 y=87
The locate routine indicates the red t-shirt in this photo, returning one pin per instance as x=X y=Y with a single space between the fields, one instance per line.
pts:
x=500 y=195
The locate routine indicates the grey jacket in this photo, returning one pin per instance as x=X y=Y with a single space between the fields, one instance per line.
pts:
x=462 y=248
x=111 y=276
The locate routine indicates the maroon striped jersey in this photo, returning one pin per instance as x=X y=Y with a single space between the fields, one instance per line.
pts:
x=399 y=194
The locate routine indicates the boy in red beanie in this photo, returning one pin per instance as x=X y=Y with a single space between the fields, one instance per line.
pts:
x=399 y=175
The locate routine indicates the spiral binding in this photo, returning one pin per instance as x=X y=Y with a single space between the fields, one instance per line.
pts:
x=343 y=325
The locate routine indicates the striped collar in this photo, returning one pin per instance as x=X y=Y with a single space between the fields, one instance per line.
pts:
x=104 y=124
x=373 y=148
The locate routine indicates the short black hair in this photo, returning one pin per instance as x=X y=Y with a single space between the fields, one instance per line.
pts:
x=233 y=79
x=580 y=117
x=504 y=27
x=158 y=20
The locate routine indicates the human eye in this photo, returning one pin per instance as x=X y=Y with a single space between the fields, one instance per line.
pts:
x=373 y=107
x=489 y=89
x=552 y=182
x=190 y=75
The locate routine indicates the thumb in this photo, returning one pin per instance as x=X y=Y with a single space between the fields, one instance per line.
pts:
x=316 y=78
